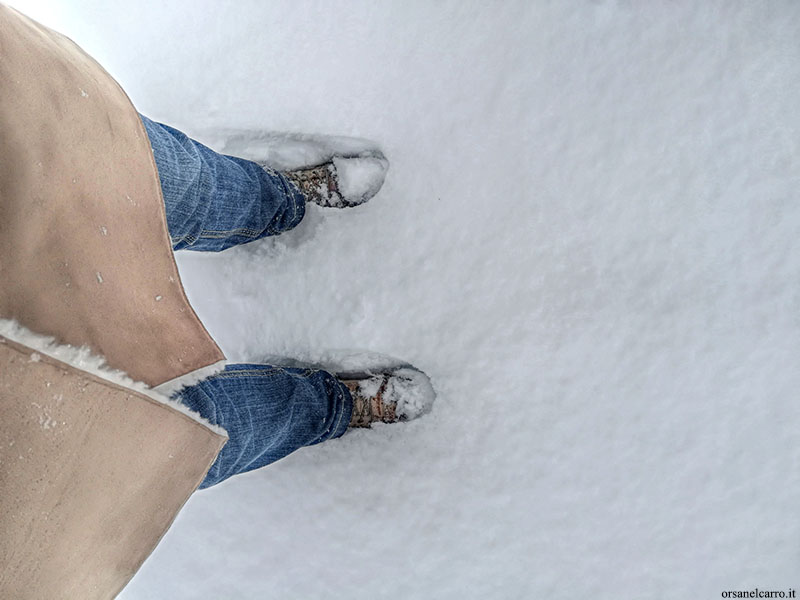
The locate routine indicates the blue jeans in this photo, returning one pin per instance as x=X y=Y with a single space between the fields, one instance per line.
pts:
x=214 y=202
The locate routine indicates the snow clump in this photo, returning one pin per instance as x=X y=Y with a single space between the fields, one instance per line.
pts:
x=360 y=178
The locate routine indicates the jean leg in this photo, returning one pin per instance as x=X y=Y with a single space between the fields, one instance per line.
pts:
x=214 y=201
x=269 y=412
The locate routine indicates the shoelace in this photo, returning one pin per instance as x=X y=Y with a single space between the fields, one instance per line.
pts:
x=318 y=184
x=368 y=410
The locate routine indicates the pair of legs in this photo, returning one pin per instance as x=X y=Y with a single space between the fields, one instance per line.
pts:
x=214 y=202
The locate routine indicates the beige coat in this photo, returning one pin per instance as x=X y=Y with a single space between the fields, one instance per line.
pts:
x=92 y=472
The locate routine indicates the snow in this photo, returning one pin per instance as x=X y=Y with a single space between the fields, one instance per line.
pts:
x=588 y=239
x=411 y=391
x=360 y=178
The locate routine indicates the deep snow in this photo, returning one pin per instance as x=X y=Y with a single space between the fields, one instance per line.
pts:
x=588 y=238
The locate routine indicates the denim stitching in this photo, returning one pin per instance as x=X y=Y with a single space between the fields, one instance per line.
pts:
x=218 y=235
x=295 y=203
x=184 y=238
x=268 y=371
x=335 y=426
x=248 y=373
x=289 y=194
x=230 y=230
x=245 y=229
x=341 y=414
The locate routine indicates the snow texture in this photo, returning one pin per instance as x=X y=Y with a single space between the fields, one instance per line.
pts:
x=285 y=151
x=83 y=360
x=588 y=239
x=360 y=178
x=411 y=391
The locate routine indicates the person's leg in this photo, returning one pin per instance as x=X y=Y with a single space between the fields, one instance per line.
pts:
x=269 y=412
x=214 y=201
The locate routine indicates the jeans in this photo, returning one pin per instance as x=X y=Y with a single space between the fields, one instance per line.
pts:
x=213 y=202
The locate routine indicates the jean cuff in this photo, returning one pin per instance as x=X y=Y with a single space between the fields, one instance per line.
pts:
x=294 y=199
x=342 y=403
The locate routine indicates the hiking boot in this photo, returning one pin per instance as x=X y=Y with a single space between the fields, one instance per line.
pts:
x=341 y=182
x=398 y=395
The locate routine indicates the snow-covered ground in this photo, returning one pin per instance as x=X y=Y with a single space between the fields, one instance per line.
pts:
x=589 y=238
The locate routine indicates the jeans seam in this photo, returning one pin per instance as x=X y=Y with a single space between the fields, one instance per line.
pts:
x=247 y=229
x=212 y=234
x=190 y=239
x=334 y=427
x=269 y=371
x=341 y=414
x=288 y=191
x=250 y=373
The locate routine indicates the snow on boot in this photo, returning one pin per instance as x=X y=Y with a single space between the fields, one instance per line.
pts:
x=341 y=182
x=397 y=395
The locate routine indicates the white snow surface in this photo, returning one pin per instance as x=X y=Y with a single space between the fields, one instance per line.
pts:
x=411 y=391
x=360 y=178
x=588 y=239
